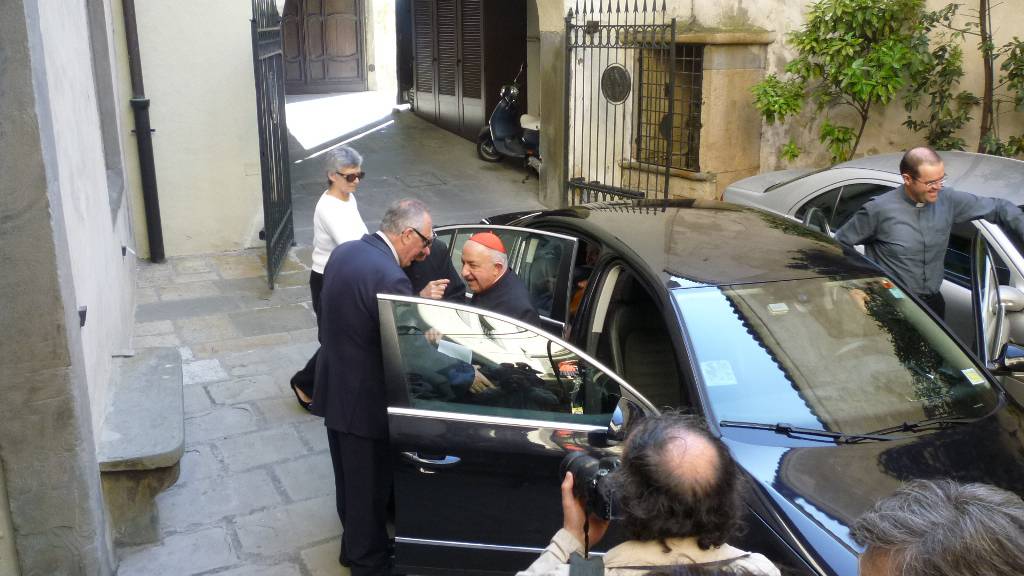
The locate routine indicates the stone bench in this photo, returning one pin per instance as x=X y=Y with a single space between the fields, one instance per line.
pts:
x=141 y=441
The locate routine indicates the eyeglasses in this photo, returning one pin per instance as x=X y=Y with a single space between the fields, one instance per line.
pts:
x=352 y=177
x=426 y=241
x=937 y=183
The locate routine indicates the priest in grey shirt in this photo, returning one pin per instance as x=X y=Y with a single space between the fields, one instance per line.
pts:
x=905 y=231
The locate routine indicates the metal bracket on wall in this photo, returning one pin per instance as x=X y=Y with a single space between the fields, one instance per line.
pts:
x=82 y=311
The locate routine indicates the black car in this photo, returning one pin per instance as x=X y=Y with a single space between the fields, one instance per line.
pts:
x=830 y=384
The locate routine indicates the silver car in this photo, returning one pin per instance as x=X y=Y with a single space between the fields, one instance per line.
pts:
x=978 y=251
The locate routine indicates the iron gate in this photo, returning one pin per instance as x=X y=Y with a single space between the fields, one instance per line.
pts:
x=625 y=77
x=268 y=65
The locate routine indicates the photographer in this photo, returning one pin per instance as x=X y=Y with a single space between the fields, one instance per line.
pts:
x=677 y=493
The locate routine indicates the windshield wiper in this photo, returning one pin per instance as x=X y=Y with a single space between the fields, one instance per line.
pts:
x=923 y=425
x=790 y=430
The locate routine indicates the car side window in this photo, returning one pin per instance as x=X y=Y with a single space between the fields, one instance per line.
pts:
x=958 y=257
x=825 y=202
x=853 y=197
x=458 y=360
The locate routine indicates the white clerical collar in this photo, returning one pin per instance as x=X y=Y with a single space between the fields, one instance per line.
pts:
x=390 y=245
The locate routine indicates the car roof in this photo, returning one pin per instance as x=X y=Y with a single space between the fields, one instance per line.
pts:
x=980 y=174
x=709 y=242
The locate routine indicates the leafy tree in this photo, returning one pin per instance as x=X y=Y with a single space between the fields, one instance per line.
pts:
x=852 y=54
x=948 y=112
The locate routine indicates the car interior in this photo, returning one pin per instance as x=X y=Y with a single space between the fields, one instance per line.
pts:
x=629 y=335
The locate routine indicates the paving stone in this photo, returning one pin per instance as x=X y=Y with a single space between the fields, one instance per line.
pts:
x=151 y=275
x=239 y=265
x=178 y=309
x=308 y=477
x=213 y=499
x=315 y=434
x=245 y=389
x=322 y=560
x=290 y=295
x=293 y=279
x=188 y=291
x=289 y=264
x=208 y=349
x=205 y=329
x=197 y=277
x=154 y=328
x=180 y=554
x=219 y=423
x=307 y=335
x=186 y=354
x=286 y=528
x=191 y=265
x=199 y=463
x=284 y=410
x=203 y=371
x=303 y=254
x=276 y=570
x=272 y=320
x=197 y=400
x=157 y=341
x=259 y=448
x=145 y=296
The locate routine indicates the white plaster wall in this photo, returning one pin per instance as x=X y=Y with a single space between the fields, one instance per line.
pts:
x=101 y=276
x=197 y=66
x=381 y=47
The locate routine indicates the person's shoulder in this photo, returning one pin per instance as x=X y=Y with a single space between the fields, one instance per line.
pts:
x=758 y=565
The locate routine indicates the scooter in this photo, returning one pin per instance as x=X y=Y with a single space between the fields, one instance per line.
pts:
x=508 y=133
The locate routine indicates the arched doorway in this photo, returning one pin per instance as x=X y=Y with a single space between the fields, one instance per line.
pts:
x=324 y=46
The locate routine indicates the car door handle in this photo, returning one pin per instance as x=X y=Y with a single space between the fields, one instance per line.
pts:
x=444 y=462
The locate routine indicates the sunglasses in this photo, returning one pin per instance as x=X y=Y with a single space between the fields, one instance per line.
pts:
x=353 y=176
x=426 y=241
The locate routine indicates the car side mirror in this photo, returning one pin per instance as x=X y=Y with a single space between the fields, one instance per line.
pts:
x=816 y=219
x=1011 y=298
x=1011 y=359
x=625 y=415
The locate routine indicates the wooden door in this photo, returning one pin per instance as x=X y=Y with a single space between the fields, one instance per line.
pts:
x=472 y=114
x=447 y=27
x=324 y=42
x=423 y=49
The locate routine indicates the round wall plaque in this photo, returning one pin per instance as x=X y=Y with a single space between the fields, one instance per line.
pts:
x=616 y=83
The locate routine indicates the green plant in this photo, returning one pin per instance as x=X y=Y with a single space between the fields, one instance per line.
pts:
x=790 y=151
x=947 y=112
x=852 y=54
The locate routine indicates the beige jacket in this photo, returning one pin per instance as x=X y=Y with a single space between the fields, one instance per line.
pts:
x=617 y=561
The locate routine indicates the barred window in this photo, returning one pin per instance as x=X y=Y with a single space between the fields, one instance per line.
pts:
x=655 y=127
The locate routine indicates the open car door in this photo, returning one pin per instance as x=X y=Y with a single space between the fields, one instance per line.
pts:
x=482 y=409
x=542 y=260
x=992 y=301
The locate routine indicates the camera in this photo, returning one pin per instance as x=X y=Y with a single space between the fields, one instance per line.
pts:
x=591 y=483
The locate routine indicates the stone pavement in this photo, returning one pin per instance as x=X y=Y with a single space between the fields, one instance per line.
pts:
x=256 y=493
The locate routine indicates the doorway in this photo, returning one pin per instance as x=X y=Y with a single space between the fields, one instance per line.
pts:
x=324 y=46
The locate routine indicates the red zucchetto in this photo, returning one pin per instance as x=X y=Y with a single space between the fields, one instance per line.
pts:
x=489 y=239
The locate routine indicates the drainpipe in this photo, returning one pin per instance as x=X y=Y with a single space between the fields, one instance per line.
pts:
x=143 y=137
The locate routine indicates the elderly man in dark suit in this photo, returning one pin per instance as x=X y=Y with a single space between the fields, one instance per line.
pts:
x=349 y=390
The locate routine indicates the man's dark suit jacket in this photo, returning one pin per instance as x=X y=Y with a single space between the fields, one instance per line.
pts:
x=349 y=391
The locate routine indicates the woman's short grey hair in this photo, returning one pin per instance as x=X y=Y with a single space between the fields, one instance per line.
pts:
x=944 y=528
x=403 y=214
x=342 y=157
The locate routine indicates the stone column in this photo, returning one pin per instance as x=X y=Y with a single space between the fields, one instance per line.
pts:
x=46 y=437
x=551 y=22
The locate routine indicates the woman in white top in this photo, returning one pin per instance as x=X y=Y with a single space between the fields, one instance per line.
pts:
x=336 y=220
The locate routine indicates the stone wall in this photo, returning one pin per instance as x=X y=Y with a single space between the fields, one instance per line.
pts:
x=56 y=235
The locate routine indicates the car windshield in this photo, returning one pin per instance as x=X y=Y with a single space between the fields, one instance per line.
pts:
x=840 y=355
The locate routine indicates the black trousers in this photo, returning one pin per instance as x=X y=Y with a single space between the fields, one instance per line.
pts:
x=936 y=302
x=305 y=378
x=363 y=482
